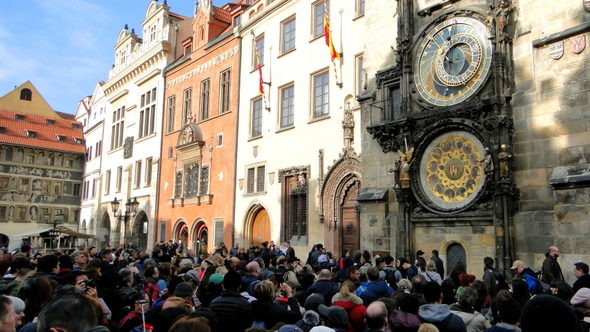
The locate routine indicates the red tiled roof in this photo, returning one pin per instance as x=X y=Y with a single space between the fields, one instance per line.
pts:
x=182 y=17
x=67 y=116
x=45 y=134
x=222 y=15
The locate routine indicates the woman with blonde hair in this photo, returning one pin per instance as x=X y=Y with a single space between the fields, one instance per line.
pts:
x=430 y=274
x=349 y=301
x=426 y=327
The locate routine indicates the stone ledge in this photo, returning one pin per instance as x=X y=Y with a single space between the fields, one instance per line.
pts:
x=575 y=176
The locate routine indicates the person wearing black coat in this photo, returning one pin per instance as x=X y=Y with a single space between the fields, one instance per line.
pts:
x=583 y=278
x=267 y=311
x=234 y=313
x=551 y=268
x=324 y=286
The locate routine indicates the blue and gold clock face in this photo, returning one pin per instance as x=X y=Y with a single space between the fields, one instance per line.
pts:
x=453 y=61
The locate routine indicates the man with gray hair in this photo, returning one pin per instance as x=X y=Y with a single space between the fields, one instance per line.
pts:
x=57 y=315
x=80 y=260
x=474 y=321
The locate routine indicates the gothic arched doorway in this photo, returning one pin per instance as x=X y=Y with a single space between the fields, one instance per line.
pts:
x=260 y=228
x=350 y=221
x=181 y=234
x=103 y=233
x=455 y=254
x=201 y=236
x=140 y=230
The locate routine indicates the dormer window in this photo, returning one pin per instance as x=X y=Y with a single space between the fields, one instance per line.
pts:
x=187 y=50
x=31 y=134
x=75 y=126
x=26 y=94
x=61 y=138
x=19 y=117
x=2 y=130
x=78 y=140
x=237 y=20
x=50 y=122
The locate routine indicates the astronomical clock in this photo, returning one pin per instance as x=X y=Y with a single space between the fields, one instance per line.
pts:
x=453 y=129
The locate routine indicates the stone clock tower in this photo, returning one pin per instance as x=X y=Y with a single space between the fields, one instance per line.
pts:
x=441 y=114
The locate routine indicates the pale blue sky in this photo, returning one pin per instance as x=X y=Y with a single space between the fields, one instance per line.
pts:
x=65 y=46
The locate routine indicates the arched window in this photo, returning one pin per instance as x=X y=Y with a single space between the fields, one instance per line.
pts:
x=26 y=94
x=455 y=254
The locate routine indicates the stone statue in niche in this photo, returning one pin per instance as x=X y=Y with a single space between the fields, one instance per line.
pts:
x=503 y=16
x=504 y=157
x=33 y=213
x=11 y=212
x=486 y=162
x=406 y=161
x=396 y=173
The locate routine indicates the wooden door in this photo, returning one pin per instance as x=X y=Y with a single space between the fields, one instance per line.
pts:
x=260 y=228
x=350 y=225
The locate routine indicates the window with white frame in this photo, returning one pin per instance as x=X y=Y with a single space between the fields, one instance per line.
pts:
x=119 y=178
x=204 y=101
x=187 y=97
x=117 y=128
x=137 y=173
x=256 y=118
x=170 y=114
x=288 y=35
x=255 y=179
x=259 y=47
x=320 y=83
x=148 y=171
x=107 y=182
x=287 y=109
x=224 y=91
x=360 y=7
x=318 y=17
x=360 y=75
x=147 y=113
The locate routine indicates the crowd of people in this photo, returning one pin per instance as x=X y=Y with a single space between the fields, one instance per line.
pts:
x=268 y=288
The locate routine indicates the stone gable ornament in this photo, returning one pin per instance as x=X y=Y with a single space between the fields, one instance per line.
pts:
x=556 y=50
x=578 y=43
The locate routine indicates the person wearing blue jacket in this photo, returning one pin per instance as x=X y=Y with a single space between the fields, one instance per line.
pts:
x=375 y=288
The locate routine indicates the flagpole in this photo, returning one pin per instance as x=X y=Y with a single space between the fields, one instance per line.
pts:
x=341 y=49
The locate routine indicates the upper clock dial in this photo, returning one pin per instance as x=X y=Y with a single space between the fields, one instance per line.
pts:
x=453 y=61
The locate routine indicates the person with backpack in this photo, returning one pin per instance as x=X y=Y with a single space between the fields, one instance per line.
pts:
x=492 y=278
x=391 y=274
x=529 y=276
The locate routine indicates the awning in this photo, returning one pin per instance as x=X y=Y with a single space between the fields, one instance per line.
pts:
x=61 y=229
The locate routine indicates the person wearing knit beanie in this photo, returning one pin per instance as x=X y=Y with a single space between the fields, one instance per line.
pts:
x=547 y=313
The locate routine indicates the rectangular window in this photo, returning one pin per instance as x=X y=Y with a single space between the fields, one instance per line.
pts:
x=259 y=47
x=224 y=91
x=288 y=35
x=360 y=7
x=187 y=96
x=318 y=17
x=218 y=232
x=147 y=113
x=117 y=128
x=148 y=172
x=256 y=118
x=170 y=115
x=191 y=177
x=287 y=106
x=93 y=188
x=162 y=231
x=137 y=173
x=119 y=178
x=76 y=189
x=251 y=178
x=260 y=178
x=204 y=181
x=360 y=76
x=107 y=182
x=2 y=212
x=320 y=94
x=178 y=185
x=294 y=205
x=394 y=109
x=204 y=102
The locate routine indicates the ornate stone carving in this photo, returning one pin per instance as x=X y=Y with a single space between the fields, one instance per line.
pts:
x=128 y=147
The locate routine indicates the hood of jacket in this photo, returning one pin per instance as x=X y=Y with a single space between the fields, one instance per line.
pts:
x=434 y=313
x=404 y=319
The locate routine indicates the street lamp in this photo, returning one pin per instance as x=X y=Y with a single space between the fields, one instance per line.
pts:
x=130 y=210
